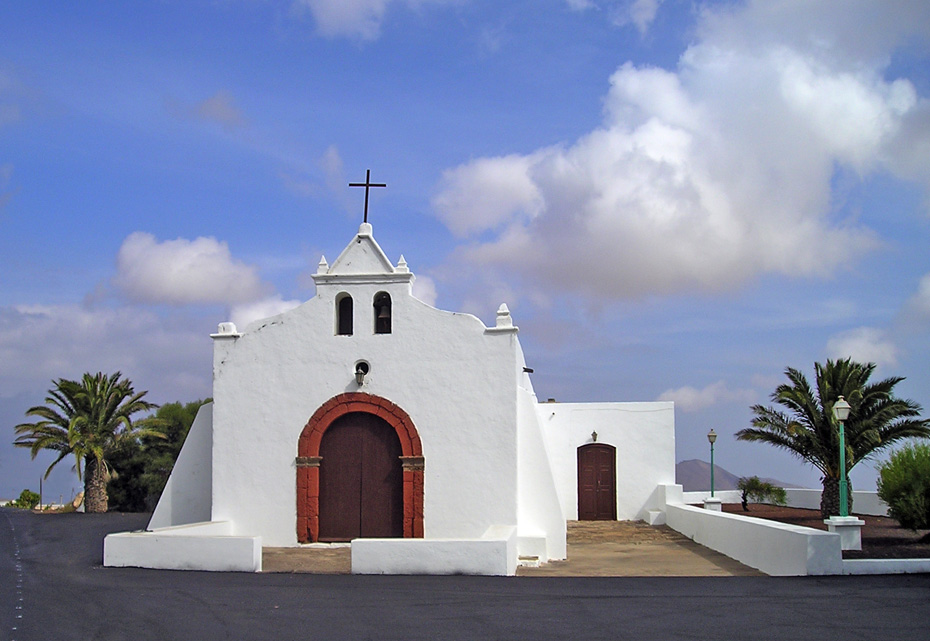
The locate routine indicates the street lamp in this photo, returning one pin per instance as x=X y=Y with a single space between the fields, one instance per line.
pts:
x=841 y=412
x=711 y=437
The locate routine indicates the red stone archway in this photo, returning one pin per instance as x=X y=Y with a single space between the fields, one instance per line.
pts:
x=308 y=460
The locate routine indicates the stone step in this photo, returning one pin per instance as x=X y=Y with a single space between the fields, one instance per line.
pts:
x=528 y=561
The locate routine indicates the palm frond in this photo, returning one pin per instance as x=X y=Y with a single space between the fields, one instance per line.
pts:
x=808 y=429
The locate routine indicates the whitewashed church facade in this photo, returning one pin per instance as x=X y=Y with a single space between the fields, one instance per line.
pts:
x=366 y=415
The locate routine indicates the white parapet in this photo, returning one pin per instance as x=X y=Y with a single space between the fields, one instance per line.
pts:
x=775 y=548
x=199 y=546
x=494 y=554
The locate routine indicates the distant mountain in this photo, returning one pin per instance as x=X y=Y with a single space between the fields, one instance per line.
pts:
x=694 y=476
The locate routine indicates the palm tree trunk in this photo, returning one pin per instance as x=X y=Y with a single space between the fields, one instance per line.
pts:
x=95 y=486
x=830 y=498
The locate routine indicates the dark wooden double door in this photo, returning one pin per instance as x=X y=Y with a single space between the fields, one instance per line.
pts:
x=597 y=482
x=361 y=480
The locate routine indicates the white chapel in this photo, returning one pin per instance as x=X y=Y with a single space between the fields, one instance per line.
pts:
x=367 y=416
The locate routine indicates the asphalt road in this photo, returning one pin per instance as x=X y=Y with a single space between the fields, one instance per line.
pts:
x=67 y=594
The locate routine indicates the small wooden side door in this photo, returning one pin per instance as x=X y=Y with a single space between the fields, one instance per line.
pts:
x=597 y=482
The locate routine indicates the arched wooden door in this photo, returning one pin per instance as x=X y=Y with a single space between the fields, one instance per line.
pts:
x=597 y=482
x=361 y=480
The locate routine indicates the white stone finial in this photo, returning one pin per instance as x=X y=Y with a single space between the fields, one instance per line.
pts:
x=364 y=229
x=226 y=328
x=323 y=267
x=402 y=265
x=503 y=316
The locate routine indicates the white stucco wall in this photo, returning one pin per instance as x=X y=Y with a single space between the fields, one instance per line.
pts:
x=198 y=546
x=494 y=554
x=643 y=433
x=450 y=373
x=539 y=508
x=188 y=494
x=775 y=548
x=863 y=502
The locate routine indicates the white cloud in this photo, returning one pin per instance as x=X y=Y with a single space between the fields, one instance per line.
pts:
x=220 y=108
x=691 y=399
x=333 y=169
x=488 y=192
x=247 y=313
x=182 y=271
x=710 y=175
x=580 y=5
x=865 y=345
x=424 y=289
x=38 y=343
x=354 y=18
x=640 y=13
x=919 y=303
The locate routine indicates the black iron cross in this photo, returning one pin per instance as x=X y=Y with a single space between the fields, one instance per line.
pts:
x=367 y=185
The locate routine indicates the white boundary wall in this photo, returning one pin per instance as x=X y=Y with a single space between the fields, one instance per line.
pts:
x=886 y=566
x=775 y=548
x=863 y=502
x=199 y=546
x=725 y=496
x=495 y=554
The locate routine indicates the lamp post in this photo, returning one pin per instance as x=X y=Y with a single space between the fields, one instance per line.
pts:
x=841 y=412
x=711 y=437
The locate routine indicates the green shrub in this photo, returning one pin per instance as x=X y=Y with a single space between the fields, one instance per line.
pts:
x=760 y=492
x=904 y=484
x=27 y=500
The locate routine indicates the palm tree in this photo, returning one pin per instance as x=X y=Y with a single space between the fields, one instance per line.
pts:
x=90 y=419
x=809 y=430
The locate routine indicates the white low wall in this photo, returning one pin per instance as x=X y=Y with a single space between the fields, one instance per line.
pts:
x=494 y=554
x=726 y=496
x=774 y=548
x=200 y=546
x=886 y=566
x=863 y=502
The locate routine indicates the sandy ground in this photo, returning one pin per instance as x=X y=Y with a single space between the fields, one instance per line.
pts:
x=595 y=548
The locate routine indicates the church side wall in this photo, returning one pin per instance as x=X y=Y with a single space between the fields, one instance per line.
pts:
x=540 y=512
x=187 y=495
x=454 y=379
x=643 y=433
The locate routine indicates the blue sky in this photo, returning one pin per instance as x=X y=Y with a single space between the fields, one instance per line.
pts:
x=676 y=199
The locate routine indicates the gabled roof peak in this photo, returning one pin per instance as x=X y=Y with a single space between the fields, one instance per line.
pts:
x=362 y=260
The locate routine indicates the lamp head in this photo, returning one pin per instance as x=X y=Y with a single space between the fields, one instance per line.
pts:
x=841 y=409
x=361 y=369
x=711 y=436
